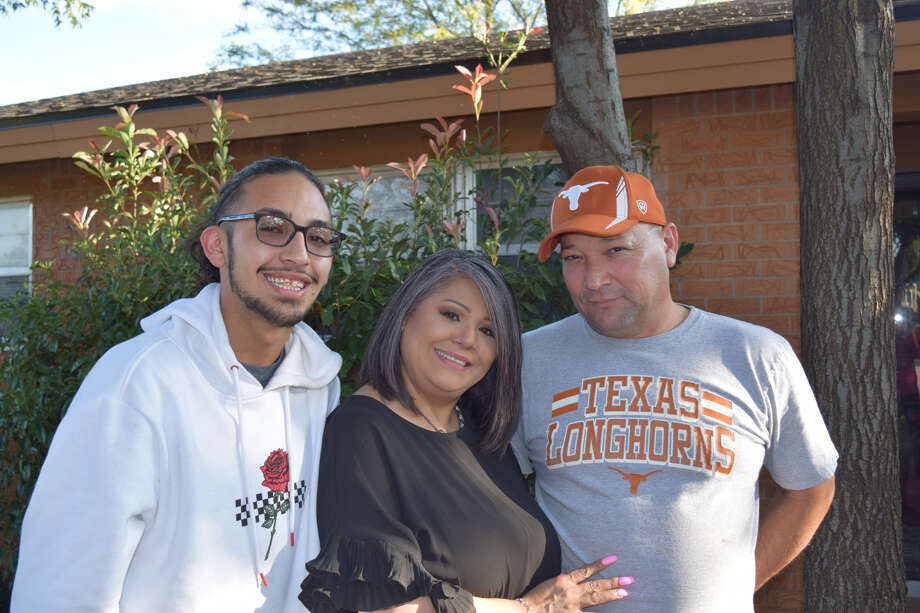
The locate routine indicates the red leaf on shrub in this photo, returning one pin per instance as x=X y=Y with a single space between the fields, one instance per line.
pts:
x=493 y=215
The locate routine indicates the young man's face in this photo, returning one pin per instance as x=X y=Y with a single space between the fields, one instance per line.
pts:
x=278 y=285
x=620 y=283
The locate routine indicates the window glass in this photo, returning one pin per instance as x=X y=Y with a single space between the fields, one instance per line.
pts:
x=526 y=184
x=12 y=285
x=15 y=247
x=15 y=236
x=528 y=181
x=389 y=196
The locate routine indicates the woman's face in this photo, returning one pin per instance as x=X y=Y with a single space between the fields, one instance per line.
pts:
x=447 y=344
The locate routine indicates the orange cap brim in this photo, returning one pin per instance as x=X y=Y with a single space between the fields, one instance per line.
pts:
x=583 y=224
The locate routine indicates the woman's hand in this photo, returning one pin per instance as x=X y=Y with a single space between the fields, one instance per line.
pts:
x=571 y=592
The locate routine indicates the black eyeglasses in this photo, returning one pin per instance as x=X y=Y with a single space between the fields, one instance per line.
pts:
x=277 y=231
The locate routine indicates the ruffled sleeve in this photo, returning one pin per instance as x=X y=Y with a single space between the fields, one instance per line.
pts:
x=369 y=558
x=363 y=575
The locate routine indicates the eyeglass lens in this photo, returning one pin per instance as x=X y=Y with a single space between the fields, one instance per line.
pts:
x=278 y=231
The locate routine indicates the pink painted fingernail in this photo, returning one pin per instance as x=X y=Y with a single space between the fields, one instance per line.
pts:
x=621 y=592
x=626 y=580
x=609 y=560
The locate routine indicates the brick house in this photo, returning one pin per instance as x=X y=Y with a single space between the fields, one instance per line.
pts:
x=715 y=82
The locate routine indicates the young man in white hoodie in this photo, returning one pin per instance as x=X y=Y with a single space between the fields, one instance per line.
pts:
x=182 y=477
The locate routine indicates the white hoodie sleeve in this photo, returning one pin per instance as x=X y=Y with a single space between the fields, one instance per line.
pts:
x=96 y=490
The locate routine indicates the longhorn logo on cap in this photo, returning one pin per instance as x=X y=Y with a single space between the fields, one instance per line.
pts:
x=574 y=193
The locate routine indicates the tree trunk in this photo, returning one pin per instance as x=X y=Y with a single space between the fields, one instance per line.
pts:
x=587 y=123
x=843 y=73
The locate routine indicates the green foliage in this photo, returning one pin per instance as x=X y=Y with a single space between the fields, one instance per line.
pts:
x=132 y=261
x=74 y=11
x=644 y=146
x=683 y=250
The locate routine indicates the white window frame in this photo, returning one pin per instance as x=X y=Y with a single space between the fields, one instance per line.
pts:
x=20 y=271
x=467 y=181
x=463 y=183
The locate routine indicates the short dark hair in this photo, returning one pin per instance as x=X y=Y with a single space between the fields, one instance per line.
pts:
x=495 y=401
x=228 y=197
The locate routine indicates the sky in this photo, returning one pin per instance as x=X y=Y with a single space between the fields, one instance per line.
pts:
x=123 y=42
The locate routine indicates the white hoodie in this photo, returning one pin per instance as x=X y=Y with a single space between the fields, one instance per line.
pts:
x=145 y=501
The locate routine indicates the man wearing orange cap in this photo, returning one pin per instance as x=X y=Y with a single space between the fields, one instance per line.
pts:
x=647 y=422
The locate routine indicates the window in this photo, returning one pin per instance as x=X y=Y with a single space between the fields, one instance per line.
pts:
x=15 y=246
x=389 y=194
x=539 y=177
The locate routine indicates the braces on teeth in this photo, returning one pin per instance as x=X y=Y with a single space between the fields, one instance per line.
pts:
x=286 y=283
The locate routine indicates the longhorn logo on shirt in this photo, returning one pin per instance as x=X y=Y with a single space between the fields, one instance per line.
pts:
x=574 y=193
x=634 y=479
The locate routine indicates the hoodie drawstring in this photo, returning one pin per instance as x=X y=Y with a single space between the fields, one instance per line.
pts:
x=241 y=459
x=291 y=486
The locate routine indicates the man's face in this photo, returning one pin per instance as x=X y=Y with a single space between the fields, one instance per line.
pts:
x=620 y=283
x=276 y=284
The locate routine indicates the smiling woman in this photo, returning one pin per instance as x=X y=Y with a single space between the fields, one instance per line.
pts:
x=418 y=503
x=447 y=347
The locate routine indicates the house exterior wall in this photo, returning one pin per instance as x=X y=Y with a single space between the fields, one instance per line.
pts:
x=54 y=187
x=727 y=175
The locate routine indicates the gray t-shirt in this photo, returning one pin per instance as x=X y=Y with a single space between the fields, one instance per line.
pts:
x=264 y=374
x=650 y=449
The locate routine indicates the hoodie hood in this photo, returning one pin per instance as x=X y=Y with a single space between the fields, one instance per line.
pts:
x=197 y=326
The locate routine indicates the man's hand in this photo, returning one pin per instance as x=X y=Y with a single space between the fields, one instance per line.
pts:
x=787 y=525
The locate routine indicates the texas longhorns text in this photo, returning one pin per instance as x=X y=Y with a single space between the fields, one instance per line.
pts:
x=642 y=419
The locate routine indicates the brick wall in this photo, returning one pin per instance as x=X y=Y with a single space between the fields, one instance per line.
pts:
x=54 y=187
x=726 y=173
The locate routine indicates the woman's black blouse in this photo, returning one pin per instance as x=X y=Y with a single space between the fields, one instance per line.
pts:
x=404 y=512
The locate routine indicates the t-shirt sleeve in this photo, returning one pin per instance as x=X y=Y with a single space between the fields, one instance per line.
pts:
x=801 y=453
x=369 y=559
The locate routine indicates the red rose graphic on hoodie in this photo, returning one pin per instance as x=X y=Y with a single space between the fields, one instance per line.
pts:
x=275 y=470
x=277 y=474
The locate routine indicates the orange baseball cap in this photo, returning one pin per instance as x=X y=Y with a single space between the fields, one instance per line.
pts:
x=601 y=201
